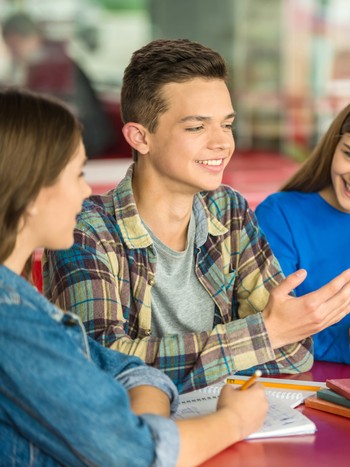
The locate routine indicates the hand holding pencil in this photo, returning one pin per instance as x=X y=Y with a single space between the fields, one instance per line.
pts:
x=251 y=380
x=247 y=409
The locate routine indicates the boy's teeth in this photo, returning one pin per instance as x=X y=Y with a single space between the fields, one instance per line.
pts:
x=211 y=162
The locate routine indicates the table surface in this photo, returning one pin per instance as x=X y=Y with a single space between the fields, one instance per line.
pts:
x=328 y=447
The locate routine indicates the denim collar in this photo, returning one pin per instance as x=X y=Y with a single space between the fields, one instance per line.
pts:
x=15 y=289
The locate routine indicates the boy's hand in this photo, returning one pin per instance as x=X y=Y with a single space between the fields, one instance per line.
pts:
x=290 y=319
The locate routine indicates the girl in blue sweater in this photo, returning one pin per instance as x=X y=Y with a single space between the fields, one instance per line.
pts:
x=307 y=225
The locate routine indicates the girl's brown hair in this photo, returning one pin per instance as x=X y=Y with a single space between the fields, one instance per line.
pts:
x=38 y=137
x=315 y=172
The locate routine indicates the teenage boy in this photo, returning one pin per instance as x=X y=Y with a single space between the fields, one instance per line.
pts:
x=171 y=265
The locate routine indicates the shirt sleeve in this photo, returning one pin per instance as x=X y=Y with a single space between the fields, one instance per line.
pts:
x=62 y=402
x=131 y=371
x=83 y=279
x=258 y=272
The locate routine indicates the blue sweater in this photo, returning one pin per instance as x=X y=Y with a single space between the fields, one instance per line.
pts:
x=304 y=231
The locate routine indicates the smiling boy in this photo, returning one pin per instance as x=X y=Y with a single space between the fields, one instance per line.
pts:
x=171 y=265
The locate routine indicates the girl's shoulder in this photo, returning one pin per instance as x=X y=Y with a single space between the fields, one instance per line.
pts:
x=283 y=199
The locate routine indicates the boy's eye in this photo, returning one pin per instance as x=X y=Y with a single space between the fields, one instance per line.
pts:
x=194 y=128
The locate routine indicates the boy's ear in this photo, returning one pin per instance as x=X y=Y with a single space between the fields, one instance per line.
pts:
x=136 y=135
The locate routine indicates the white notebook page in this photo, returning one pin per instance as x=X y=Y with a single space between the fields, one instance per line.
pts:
x=281 y=419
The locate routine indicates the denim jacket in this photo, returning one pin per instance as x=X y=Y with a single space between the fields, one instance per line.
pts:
x=63 y=397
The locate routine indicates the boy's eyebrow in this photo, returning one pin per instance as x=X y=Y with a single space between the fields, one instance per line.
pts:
x=201 y=118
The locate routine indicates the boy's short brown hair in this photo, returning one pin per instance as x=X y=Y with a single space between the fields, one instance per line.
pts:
x=158 y=63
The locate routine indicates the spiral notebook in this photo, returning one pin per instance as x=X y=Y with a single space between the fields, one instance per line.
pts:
x=281 y=420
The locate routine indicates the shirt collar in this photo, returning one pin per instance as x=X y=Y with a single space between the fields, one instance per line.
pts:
x=206 y=222
x=135 y=234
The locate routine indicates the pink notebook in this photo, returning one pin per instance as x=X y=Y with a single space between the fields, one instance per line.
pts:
x=341 y=386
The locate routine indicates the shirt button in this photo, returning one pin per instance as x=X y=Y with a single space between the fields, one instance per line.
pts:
x=151 y=281
x=69 y=320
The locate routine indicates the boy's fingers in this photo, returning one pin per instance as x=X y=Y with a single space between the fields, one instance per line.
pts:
x=291 y=282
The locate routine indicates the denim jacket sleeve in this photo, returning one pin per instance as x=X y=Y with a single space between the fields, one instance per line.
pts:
x=136 y=372
x=73 y=405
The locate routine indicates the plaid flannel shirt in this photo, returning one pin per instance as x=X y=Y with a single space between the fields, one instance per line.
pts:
x=108 y=274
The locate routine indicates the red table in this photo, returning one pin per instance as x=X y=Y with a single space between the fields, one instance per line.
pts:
x=328 y=447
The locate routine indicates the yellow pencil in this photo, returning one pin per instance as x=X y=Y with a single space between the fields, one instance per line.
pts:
x=251 y=380
x=277 y=385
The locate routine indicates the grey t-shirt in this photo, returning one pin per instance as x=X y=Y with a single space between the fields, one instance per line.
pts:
x=179 y=301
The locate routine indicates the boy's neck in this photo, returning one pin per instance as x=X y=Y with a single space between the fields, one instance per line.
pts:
x=165 y=213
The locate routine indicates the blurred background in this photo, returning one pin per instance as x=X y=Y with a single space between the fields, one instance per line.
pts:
x=289 y=60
